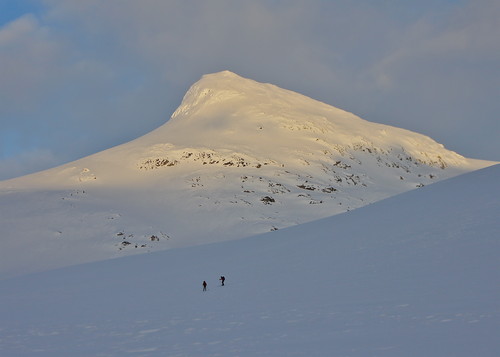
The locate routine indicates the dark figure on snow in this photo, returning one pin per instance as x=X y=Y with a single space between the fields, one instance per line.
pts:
x=204 y=285
x=222 y=279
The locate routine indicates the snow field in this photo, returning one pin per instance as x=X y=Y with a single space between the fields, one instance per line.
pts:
x=413 y=275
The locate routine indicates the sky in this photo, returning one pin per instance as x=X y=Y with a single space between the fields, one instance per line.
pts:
x=78 y=77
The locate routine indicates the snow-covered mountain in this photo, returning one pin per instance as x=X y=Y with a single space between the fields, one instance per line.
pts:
x=236 y=158
x=414 y=275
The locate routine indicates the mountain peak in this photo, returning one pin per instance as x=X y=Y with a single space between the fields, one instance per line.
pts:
x=226 y=110
x=222 y=74
x=225 y=78
x=214 y=88
x=237 y=158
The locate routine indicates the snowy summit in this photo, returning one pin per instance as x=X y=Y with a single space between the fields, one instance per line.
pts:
x=237 y=158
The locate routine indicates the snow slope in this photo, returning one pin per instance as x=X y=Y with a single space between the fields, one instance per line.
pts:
x=237 y=158
x=413 y=275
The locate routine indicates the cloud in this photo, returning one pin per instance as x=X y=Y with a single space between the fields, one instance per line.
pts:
x=82 y=76
x=29 y=57
x=27 y=162
x=444 y=72
x=178 y=38
x=58 y=93
x=469 y=36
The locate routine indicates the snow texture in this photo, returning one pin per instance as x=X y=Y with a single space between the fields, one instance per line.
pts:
x=413 y=275
x=237 y=158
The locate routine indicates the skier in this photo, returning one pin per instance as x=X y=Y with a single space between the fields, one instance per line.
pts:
x=204 y=285
x=222 y=279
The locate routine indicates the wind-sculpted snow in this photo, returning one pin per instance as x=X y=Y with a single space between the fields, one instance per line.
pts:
x=237 y=158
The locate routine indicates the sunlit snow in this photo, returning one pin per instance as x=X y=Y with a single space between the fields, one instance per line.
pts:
x=236 y=159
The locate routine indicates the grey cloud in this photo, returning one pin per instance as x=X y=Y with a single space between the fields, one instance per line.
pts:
x=37 y=160
x=29 y=57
